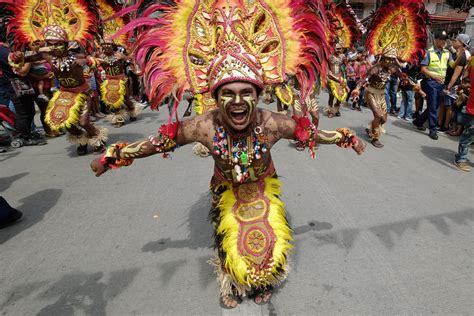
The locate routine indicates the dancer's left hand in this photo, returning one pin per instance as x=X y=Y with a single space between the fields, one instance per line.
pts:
x=359 y=146
x=97 y=167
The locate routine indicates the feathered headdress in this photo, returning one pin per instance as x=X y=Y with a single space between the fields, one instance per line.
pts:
x=346 y=30
x=398 y=29
x=6 y=13
x=199 y=45
x=35 y=18
x=109 y=24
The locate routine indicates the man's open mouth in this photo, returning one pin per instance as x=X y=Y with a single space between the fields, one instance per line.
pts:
x=239 y=115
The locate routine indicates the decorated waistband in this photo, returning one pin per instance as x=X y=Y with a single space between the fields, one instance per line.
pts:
x=83 y=88
x=117 y=77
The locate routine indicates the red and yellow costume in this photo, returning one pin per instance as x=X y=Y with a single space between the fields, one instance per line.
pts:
x=114 y=89
x=62 y=21
x=227 y=41
x=260 y=42
x=397 y=31
x=345 y=33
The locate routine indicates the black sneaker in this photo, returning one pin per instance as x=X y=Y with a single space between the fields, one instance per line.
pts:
x=34 y=141
x=420 y=128
x=443 y=129
x=433 y=136
x=13 y=215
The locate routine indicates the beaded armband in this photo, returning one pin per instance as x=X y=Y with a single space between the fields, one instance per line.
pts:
x=111 y=158
x=165 y=141
x=305 y=133
x=349 y=139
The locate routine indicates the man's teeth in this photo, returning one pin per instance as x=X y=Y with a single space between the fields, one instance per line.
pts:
x=238 y=111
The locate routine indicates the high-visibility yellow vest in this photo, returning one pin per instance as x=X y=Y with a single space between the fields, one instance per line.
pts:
x=437 y=65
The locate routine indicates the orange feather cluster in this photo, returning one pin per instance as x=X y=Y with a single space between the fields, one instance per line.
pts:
x=77 y=17
x=400 y=25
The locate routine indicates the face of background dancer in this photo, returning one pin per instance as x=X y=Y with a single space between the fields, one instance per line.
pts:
x=58 y=48
x=388 y=61
x=238 y=103
x=35 y=45
x=108 y=49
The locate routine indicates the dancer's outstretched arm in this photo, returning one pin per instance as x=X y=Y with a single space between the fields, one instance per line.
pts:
x=302 y=129
x=169 y=137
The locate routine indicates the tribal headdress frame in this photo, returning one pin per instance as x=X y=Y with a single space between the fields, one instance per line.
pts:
x=345 y=28
x=110 y=24
x=398 y=30
x=61 y=19
x=200 y=45
x=6 y=13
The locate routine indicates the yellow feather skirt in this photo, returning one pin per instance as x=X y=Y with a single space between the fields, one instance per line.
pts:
x=252 y=233
x=64 y=109
x=338 y=90
x=112 y=92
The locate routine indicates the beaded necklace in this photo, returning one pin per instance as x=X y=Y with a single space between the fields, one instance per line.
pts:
x=240 y=152
x=111 y=59
x=64 y=63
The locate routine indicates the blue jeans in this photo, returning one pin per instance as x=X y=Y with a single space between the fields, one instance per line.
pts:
x=406 y=106
x=466 y=138
x=391 y=93
x=434 y=97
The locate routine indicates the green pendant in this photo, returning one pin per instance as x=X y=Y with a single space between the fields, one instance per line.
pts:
x=244 y=159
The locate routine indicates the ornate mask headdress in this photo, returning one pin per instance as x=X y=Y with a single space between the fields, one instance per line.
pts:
x=398 y=30
x=57 y=19
x=199 y=45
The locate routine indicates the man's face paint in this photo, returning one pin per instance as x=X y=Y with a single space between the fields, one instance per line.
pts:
x=58 y=49
x=238 y=102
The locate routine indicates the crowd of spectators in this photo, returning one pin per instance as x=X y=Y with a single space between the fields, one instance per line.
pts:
x=443 y=101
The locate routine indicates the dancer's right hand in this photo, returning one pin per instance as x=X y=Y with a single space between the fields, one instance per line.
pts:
x=97 y=167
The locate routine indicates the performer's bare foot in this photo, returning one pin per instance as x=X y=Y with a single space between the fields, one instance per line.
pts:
x=368 y=132
x=229 y=301
x=299 y=146
x=263 y=297
x=82 y=150
x=377 y=143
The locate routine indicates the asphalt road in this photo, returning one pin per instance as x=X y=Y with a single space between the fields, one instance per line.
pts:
x=389 y=232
